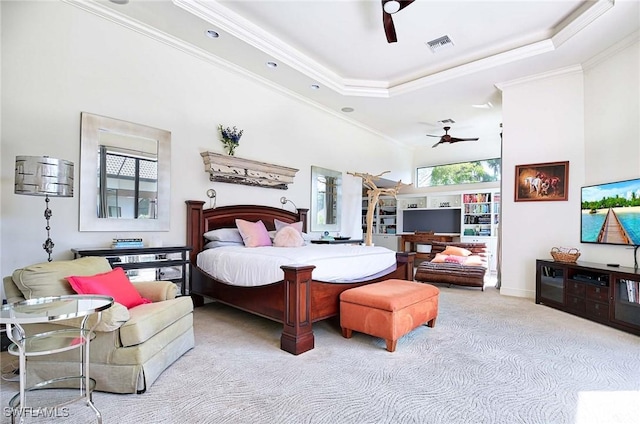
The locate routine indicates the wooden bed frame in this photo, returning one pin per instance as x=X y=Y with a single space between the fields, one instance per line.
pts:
x=297 y=301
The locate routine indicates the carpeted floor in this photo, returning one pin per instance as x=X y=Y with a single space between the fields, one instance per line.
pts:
x=490 y=359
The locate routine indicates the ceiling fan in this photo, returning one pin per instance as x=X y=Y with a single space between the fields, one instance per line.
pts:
x=389 y=7
x=446 y=138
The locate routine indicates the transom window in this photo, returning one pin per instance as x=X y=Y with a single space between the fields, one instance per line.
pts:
x=479 y=171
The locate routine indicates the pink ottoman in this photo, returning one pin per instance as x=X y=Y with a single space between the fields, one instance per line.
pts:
x=388 y=309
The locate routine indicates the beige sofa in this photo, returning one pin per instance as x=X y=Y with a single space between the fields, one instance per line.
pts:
x=132 y=347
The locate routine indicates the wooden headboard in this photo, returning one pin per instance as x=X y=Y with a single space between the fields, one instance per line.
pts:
x=200 y=220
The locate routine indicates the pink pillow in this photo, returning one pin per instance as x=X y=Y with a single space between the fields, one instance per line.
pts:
x=113 y=283
x=254 y=234
x=288 y=237
x=455 y=259
x=281 y=224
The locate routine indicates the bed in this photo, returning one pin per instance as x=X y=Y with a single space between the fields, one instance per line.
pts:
x=296 y=301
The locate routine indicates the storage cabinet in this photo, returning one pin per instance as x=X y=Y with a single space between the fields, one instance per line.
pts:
x=169 y=263
x=384 y=218
x=608 y=295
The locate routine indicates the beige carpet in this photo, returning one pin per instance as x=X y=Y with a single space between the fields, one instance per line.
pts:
x=490 y=359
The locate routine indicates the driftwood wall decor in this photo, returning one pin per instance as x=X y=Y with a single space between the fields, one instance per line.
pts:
x=234 y=170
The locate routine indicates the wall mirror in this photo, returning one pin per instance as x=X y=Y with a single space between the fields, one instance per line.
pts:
x=326 y=199
x=125 y=171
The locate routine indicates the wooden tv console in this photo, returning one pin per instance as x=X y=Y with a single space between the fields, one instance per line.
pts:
x=597 y=292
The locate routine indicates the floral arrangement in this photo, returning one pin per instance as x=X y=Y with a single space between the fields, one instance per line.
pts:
x=230 y=138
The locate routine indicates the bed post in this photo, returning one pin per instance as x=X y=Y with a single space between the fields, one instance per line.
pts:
x=194 y=227
x=297 y=334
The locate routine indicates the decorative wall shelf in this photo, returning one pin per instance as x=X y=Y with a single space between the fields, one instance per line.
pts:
x=234 y=170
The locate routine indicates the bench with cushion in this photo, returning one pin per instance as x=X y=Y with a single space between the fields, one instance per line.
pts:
x=388 y=309
x=459 y=269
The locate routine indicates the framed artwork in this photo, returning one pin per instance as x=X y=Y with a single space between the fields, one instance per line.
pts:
x=542 y=182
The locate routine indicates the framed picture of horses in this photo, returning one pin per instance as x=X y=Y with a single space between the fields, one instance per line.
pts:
x=542 y=182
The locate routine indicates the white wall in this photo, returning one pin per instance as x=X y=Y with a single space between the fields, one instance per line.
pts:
x=58 y=61
x=589 y=118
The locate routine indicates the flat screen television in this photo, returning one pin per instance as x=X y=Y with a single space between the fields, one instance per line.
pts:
x=611 y=213
x=445 y=220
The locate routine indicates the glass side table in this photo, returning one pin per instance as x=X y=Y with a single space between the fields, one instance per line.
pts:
x=48 y=309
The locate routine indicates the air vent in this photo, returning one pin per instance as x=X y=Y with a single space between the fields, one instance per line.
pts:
x=441 y=43
x=447 y=121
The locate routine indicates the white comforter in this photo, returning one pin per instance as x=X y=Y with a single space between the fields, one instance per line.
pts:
x=245 y=266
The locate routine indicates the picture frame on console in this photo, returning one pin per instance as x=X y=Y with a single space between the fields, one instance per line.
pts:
x=542 y=182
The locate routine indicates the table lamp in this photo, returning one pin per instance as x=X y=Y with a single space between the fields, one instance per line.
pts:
x=44 y=176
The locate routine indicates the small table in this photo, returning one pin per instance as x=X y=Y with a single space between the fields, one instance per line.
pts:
x=139 y=258
x=341 y=241
x=48 y=309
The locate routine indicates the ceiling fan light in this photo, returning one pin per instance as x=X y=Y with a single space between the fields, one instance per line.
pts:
x=391 y=6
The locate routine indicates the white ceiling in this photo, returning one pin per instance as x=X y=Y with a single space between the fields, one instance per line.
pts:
x=400 y=90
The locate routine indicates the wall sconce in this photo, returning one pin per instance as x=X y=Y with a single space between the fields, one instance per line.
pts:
x=213 y=196
x=44 y=176
x=284 y=201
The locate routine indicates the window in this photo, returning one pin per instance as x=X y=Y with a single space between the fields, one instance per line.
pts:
x=479 y=171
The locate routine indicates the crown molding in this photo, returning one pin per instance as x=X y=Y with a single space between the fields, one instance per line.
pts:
x=247 y=31
x=519 y=53
x=580 y=20
x=153 y=33
x=626 y=42
x=574 y=69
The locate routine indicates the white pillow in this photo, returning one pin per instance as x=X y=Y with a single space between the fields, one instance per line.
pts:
x=224 y=234
x=217 y=243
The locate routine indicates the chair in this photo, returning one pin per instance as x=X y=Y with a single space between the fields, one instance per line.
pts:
x=132 y=347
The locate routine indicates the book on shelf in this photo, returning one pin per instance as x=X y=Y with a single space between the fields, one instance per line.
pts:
x=127 y=240
x=632 y=290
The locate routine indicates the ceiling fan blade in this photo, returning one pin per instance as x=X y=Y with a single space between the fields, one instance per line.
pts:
x=389 y=28
x=439 y=142
x=456 y=139
x=404 y=3
x=431 y=135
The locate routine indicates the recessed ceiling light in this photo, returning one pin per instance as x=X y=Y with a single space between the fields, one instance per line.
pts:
x=212 y=34
x=347 y=109
x=315 y=87
x=272 y=65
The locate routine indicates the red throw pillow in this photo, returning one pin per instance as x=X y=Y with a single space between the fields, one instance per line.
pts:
x=113 y=283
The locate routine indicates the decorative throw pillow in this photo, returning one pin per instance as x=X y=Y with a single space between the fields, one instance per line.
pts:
x=456 y=251
x=473 y=260
x=439 y=258
x=455 y=259
x=224 y=234
x=254 y=234
x=113 y=283
x=281 y=224
x=288 y=237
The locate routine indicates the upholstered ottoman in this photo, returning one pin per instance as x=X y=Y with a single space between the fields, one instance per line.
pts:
x=388 y=309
